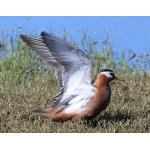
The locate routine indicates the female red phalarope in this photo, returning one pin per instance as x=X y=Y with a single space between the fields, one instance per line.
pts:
x=79 y=98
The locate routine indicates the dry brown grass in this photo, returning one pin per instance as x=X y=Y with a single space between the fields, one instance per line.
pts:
x=128 y=111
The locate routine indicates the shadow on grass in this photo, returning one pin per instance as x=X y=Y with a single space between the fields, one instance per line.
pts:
x=108 y=117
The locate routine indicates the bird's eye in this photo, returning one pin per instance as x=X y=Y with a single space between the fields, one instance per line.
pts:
x=112 y=74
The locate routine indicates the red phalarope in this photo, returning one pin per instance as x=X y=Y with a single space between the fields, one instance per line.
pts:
x=79 y=97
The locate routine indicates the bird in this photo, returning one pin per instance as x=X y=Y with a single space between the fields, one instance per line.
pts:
x=79 y=97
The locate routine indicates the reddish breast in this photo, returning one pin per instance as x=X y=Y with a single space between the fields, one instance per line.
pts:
x=102 y=96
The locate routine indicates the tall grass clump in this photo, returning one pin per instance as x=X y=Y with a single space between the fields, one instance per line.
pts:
x=26 y=83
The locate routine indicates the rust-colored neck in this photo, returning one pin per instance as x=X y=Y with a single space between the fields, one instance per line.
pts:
x=101 y=81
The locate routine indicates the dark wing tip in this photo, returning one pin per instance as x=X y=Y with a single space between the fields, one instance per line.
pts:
x=43 y=33
x=22 y=36
x=38 y=111
x=42 y=111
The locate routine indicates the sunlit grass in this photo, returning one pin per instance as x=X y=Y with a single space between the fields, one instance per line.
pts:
x=27 y=84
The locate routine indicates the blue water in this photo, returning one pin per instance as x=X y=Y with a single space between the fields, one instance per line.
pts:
x=124 y=32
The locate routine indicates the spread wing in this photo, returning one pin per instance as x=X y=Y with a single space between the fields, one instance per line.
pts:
x=72 y=65
x=43 y=52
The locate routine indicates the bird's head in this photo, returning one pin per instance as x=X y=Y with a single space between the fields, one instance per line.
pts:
x=105 y=76
x=109 y=74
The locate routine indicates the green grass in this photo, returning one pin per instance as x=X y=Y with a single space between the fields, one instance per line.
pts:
x=27 y=84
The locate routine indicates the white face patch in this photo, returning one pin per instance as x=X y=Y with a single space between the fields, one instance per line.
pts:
x=107 y=74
